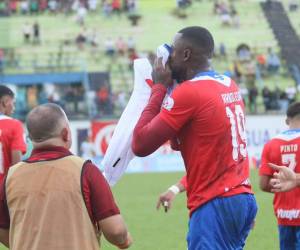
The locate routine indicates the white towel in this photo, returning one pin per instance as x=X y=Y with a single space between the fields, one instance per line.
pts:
x=164 y=51
x=119 y=153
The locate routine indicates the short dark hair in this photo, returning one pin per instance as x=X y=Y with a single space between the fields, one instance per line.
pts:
x=43 y=121
x=6 y=91
x=199 y=37
x=293 y=110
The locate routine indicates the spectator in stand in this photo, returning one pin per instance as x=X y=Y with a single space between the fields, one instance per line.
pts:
x=243 y=52
x=131 y=6
x=43 y=5
x=223 y=53
x=106 y=8
x=121 y=46
x=291 y=92
x=109 y=47
x=92 y=4
x=32 y=96
x=103 y=99
x=52 y=5
x=132 y=56
x=273 y=62
x=293 y=5
x=81 y=39
x=34 y=7
x=13 y=6
x=26 y=32
x=36 y=33
x=81 y=14
x=267 y=97
x=87 y=148
x=121 y=100
x=24 y=6
x=253 y=93
x=116 y=7
x=261 y=63
x=93 y=38
x=234 y=16
x=237 y=71
x=130 y=43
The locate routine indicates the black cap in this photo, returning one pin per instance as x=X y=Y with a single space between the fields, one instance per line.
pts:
x=5 y=91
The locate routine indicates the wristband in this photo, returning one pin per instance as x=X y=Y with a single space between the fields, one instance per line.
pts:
x=174 y=189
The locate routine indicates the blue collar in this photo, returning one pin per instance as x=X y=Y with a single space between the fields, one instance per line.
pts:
x=206 y=73
x=292 y=131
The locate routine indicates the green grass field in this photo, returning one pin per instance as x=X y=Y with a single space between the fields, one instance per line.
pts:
x=137 y=194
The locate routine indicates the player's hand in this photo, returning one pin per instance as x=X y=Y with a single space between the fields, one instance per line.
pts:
x=165 y=200
x=283 y=180
x=128 y=242
x=161 y=74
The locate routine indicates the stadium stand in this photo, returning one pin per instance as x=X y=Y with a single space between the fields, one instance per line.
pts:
x=285 y=34
x=104 y=40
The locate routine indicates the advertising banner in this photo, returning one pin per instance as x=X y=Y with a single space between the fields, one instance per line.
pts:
x=164 y=159
x=260 y=129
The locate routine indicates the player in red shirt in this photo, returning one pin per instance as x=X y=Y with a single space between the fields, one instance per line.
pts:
x=284 y=149
x=12 y=143
x=205 y=113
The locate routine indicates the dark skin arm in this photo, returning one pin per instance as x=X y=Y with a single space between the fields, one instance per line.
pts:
x=151 y=131
x=264 y=183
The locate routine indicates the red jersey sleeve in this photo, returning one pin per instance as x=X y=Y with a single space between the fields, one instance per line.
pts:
x=183 y=182
x=4 y=214
x=98 y=197
x=180 y=106
x=265 y=159
x=18 y=140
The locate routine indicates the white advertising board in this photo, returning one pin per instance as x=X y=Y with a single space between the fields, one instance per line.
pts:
x=260 y=129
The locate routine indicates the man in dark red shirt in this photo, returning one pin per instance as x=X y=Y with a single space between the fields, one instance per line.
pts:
x=12 y=139
x=65 y=201
x=205 y=115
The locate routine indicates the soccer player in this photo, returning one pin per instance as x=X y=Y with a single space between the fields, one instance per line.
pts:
x=284 y=149
x=12 y=143
x=205 y=115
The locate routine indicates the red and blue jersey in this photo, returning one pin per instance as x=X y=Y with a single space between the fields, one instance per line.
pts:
x=208 y=114
x=284 y=150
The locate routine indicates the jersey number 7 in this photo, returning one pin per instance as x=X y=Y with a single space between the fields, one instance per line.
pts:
x=289 y=159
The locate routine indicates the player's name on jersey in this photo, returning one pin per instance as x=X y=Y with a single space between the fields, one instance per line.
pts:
x=289 y=148
x=232 y=97
x=288 y=214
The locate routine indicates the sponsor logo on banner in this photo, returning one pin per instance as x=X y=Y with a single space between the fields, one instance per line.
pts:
x=260 y=129
x=101 y=134
x=163 y=160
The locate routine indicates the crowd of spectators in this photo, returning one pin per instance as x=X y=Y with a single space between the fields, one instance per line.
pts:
x=248 y=67
x=70 y=97
x=80 y=7
x=250 y=70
